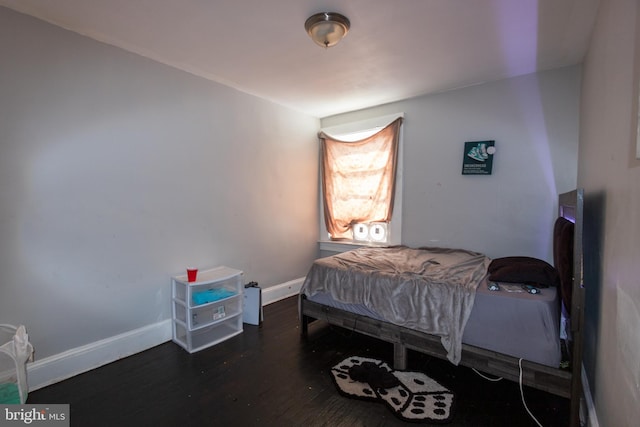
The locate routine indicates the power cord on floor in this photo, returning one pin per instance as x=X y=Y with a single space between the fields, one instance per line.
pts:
x=521 y=389
x=486 y=377
x=522 y=395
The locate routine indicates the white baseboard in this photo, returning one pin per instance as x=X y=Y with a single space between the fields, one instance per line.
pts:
x=281 y=291
x=53 y=369
x=592 y=418
x=77 y=360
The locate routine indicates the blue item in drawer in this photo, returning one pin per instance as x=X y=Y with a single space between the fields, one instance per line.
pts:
x=211 y=295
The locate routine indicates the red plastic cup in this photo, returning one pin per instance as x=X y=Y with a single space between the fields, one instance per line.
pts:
x=192 y=273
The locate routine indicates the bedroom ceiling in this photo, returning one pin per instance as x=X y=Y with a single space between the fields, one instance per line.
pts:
x=394 y=50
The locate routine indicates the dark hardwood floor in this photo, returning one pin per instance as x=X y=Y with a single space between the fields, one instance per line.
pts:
x=268 y=376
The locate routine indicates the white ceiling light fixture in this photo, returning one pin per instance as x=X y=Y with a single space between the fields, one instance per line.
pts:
x=326 y=29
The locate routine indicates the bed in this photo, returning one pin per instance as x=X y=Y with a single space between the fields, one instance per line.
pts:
x=440 y=301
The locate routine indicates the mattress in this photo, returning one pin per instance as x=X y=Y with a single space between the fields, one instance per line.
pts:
x=518 y=324
x=425 y=289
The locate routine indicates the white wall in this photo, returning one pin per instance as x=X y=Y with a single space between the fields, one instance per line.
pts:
x=610 y=175
x=117 y=172
x=534 y=121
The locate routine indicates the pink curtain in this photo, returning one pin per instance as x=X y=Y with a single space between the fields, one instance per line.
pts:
x=358 y=179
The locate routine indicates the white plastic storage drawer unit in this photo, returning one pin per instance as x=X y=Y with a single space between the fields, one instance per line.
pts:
x=209 y=310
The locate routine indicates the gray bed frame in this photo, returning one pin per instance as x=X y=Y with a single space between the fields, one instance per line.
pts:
x=562 y=382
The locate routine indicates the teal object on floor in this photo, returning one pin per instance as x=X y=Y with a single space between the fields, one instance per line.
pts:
x=9 y=394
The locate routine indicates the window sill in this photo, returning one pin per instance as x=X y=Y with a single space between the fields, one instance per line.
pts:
x=347 y=245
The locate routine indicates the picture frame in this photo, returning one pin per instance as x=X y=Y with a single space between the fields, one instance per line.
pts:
x=478 y=157
x=638 y=122
x=635 y=114
x=637 y=117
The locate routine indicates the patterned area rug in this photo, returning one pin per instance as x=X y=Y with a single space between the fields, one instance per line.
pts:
x=411 y=396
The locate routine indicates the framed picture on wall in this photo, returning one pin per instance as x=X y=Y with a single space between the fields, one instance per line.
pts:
x=635 y=114
x=478 y=157
x=638 y=124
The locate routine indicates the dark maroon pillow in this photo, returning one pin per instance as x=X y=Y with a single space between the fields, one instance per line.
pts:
x=522 y=269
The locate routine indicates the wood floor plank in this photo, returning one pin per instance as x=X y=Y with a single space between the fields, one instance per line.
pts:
x=269 y=376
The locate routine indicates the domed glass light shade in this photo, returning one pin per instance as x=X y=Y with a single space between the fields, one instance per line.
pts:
x=326 y=29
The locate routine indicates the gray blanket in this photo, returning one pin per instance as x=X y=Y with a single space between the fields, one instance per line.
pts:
x=428 y=289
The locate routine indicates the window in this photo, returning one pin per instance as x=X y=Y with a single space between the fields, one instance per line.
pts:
x=362 y=181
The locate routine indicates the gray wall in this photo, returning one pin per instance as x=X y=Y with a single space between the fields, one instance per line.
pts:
x=534 y=121
x=117 y=172
x=610 y=174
